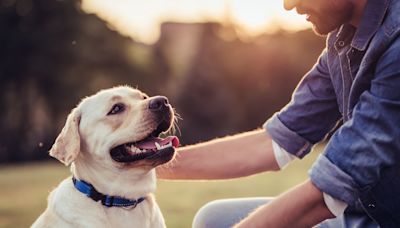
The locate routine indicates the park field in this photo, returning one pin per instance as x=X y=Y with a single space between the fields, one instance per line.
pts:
x=24 y=189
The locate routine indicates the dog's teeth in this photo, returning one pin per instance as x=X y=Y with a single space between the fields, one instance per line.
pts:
x=165 y=146
x=158 y=146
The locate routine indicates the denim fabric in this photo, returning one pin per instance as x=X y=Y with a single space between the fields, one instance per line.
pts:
x=228 y=212
x=356 y=81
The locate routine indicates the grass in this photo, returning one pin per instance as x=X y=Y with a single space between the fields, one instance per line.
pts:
x=24 y=189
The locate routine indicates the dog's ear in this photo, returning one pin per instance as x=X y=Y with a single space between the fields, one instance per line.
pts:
x=67 y=145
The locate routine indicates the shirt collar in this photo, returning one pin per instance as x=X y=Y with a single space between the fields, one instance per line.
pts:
x=371 y=20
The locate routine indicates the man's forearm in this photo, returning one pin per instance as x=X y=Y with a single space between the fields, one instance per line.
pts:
x=303 y=206
x=233 y=156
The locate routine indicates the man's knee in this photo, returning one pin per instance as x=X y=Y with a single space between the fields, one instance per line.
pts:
x=226 y=212
x=208 y=215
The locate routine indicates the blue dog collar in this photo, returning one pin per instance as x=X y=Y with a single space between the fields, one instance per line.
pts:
x=108 y=201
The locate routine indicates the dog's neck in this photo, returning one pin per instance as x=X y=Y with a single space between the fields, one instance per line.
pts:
x=129 y=183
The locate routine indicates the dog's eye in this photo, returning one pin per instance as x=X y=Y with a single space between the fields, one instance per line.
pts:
x=117 y=108
x=145 y=96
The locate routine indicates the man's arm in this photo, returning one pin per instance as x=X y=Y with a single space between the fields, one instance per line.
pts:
x=303 y=206
x=233 y=156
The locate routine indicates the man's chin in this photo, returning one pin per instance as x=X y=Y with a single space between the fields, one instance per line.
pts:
x=320 y=32
x=323 y=26
x=323 y=30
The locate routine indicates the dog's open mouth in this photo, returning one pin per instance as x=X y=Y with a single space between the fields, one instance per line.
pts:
x=152 y=147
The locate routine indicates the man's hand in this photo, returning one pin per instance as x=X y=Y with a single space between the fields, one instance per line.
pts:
x=303 y=206
x=230 y=157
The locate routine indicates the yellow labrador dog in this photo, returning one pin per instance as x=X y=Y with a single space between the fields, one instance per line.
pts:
x=111 y=140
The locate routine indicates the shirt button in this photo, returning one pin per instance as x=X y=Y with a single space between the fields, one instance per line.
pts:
x=341 y=43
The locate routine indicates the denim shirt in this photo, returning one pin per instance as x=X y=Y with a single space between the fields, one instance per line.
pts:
x=356 y=82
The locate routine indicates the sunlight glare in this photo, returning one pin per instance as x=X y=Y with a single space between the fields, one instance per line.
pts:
x=249 y=17
x=142 y=19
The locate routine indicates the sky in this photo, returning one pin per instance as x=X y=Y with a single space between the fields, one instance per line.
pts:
x=141 y=19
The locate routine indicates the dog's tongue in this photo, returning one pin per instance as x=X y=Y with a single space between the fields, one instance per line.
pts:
x=151 y=142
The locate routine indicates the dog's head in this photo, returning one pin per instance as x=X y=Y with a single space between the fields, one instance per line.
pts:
x=119 y=127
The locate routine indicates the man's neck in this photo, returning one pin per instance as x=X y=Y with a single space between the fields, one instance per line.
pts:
x=359 y=6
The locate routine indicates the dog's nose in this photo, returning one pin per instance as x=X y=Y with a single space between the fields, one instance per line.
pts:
x=158 y=103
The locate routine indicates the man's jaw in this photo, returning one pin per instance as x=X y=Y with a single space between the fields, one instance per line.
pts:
x=322 y=27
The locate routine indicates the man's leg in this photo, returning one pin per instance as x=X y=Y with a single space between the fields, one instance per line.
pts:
x=227 y=212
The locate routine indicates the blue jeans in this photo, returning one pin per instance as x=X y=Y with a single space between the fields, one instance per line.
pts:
x=227 y=212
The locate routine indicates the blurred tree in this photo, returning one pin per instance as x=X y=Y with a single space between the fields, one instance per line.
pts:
x=51 y=55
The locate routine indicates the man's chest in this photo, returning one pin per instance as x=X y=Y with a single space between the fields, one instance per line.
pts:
x=351 y=75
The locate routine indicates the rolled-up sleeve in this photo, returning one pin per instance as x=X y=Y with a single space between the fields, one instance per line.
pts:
x=310 y=115
x=368 y=143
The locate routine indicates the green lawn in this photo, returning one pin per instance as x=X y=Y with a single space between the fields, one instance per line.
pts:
x=24 y=189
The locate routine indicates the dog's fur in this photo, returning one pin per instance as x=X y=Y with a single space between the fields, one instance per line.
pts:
x=85 y=142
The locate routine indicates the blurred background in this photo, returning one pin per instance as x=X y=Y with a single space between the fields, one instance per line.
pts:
x=225 y=65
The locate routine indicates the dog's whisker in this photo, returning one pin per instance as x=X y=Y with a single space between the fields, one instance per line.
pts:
x=175 y=125
x=176 y=128
x=177 y=115
x=173 y=129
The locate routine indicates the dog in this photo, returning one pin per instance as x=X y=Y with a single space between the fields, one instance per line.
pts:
x=111 y=140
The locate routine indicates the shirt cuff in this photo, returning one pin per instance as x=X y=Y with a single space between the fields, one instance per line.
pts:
x=332 y=180
x=286 y=138
x=336 y=206
x=283 y=158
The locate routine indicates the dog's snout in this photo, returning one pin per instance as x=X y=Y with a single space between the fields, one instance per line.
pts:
x=158 y=103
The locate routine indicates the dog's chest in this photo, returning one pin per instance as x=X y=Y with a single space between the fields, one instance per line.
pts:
x=144 y=215
x=81 y=211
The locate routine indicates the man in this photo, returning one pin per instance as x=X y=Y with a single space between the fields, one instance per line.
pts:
x=356 y=81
